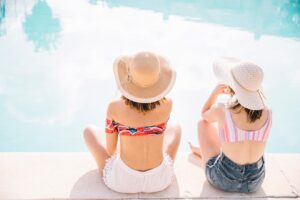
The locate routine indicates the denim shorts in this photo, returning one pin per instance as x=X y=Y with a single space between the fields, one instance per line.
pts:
x=224 y=174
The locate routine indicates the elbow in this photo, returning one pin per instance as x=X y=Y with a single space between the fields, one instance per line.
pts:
x=203 y=116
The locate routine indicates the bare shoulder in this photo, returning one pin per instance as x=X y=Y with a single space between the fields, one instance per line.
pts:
x=268 y=110
x=113 y=107
x=169 y=103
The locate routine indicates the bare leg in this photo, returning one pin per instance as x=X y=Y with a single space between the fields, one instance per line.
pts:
x=210 y=144
x=96 y=145
x=172 y=137
x=195 y=150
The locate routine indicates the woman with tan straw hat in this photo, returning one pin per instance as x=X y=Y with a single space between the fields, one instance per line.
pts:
x=232 y=149
x=138 y=119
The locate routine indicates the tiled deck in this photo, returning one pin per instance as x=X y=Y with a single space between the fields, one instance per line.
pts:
x=74 y=176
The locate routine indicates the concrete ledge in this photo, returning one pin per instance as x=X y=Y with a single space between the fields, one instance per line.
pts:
x=74 y=176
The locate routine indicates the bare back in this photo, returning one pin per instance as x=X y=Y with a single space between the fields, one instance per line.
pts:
x=140 y=152
x=245 y=152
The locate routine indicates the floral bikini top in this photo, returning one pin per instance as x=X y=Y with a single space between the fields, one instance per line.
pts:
x=112 y=126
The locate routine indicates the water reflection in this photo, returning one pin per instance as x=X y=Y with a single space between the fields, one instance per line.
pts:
x=41 y=27
x=93 y=2
x=269 y=17
x=2 y=16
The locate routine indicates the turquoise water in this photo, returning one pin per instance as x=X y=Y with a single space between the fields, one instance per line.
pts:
x=56 y=62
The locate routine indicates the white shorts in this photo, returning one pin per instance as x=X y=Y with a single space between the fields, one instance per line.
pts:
x=121 y=178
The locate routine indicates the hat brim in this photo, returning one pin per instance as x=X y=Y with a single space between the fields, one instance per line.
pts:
x=253 y=100
x=140 y=94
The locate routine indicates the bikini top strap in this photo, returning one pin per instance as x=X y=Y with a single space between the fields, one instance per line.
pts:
x=228 y=117
x=269 y=116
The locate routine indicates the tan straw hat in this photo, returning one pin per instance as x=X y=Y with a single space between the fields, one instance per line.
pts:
x=145 y=77
x=245 y=78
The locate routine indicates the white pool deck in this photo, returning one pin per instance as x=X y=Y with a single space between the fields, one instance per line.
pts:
x=74 y=176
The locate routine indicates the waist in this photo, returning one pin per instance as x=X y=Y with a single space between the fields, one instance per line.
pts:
x=143 y=159
x=244 y=167
x=244 y=152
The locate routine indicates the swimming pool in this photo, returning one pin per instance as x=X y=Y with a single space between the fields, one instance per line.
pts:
x=56 y=62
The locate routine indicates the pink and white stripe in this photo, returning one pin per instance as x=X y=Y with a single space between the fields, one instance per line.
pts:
x=230 y=133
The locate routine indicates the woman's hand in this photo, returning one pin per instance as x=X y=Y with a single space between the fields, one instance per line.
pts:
x=212 y=114
x=220 y=89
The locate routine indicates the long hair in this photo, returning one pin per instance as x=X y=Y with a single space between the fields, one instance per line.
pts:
x=143 y=107
x=252 y=115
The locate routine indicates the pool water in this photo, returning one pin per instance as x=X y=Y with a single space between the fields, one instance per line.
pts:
x=56 y=62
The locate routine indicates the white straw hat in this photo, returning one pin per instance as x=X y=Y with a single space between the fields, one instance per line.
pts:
x=145 y=77
x=245 y=78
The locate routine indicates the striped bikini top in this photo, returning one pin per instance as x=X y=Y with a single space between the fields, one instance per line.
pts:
x=230 y=133
x=112 y=126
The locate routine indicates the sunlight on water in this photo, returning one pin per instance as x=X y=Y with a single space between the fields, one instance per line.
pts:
x=56 y=62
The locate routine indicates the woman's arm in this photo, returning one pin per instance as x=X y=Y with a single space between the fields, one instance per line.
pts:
x=211 y=111
x=111 y=137
x=111 y=143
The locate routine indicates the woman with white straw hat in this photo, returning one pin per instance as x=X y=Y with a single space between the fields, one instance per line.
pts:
x=148 y=145
x=232 y=149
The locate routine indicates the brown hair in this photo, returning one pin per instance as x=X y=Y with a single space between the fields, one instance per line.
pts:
x=252 y=115
x=143 y=107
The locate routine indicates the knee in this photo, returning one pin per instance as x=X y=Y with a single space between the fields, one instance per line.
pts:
x=177 y=130
x=88 y=133
x=202 y=123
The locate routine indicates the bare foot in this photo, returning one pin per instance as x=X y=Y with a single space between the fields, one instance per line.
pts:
x=195 y=150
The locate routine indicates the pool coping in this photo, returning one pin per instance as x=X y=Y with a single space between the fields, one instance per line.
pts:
x=75 y=176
